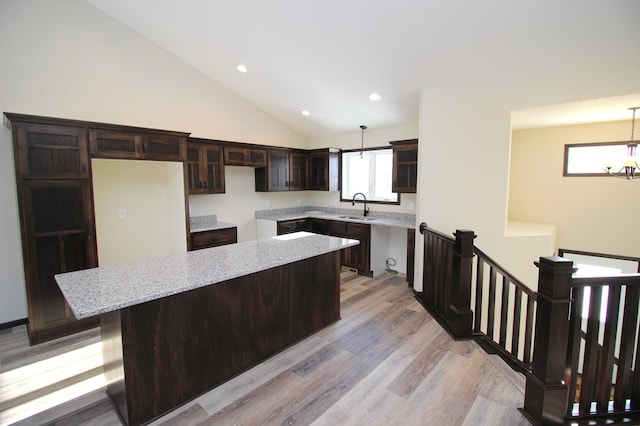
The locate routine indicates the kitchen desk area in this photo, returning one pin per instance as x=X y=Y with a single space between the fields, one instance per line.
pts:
x=175 y=327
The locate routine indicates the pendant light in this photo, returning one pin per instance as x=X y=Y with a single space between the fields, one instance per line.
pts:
x=362 y=128
x=630 y=164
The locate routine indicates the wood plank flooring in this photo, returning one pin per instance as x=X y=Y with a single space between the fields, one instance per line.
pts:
x=385 y=362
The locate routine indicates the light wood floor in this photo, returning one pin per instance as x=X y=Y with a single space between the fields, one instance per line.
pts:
x=386 y=362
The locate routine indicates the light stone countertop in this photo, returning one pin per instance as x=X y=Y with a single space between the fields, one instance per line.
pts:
x=374 y=217
x=95 y=291
x=207 y=223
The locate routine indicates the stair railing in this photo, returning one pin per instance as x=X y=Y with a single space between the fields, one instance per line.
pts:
x=581 y=364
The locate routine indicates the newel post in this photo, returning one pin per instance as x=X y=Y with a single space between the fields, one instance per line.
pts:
x=460 y=314
x=545 y=398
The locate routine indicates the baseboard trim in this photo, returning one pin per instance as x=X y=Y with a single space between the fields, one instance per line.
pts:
x=11 y=324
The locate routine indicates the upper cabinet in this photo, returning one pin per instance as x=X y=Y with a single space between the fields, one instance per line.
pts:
x=46 y=151
x=324 y=170
x=245 y=156
x=405 y=166
x=205 y=168
x=137 y=145
x=275 y=176
x=286 y=170
x=298 y=171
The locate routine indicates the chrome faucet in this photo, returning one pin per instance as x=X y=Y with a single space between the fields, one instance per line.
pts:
x=353 y=202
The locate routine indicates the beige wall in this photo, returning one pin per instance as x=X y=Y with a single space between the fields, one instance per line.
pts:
x=147 y=193
x=597 y=214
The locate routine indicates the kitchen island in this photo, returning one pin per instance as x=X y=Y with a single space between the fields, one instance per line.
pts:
x=174 y=327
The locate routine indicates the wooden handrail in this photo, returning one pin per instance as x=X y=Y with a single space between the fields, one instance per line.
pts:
x=526 y=289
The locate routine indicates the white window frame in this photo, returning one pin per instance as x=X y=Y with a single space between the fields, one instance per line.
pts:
x=372 y=181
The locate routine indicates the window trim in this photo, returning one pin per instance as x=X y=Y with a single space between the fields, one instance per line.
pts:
x=348 y=200
x=567 y=147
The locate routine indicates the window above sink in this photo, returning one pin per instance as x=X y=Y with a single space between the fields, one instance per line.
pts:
x=370 y=172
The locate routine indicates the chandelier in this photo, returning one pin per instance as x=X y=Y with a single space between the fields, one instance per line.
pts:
x=630 y=164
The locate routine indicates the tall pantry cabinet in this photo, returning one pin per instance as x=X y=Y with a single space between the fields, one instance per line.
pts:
x=55 y=199
x=56 y=219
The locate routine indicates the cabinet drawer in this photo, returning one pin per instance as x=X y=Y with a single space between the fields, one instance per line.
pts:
x=218 y=237
x=289 y=226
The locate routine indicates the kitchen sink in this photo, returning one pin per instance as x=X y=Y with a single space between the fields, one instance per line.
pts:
x=357 y=218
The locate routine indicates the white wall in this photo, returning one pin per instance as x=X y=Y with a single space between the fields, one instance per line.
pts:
x=596 y=214
x=66 y=59
x=463 y=180
x=146 y=193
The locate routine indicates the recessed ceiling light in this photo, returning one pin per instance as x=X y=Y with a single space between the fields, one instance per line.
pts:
x=375 y=97
x=305 y=113
x=242 y=68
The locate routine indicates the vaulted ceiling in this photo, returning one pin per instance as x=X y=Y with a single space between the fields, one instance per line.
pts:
x=328 y=56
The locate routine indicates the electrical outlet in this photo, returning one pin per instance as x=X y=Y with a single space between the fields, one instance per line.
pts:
x=122 y=213
x=412 y=206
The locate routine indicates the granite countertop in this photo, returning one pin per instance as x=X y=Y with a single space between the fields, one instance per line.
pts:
x=95 y=291
x=399 y=220
x=208 y=223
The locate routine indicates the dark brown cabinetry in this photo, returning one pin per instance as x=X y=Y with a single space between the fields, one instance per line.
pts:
x=405 y=166
x=55 y=198
x=324 y=170
x=213 y=238
x=298 y=171
x=295 y=225
x=240 y=156
x=57 y=227
x=205 y=168
x=133 y=145
x=285 y=171
x=411 y=250
x=275 y=176
x=50 y=152
x=357 y=257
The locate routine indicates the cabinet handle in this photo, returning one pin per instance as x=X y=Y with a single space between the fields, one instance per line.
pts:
x=205 y=184
x=146 y=147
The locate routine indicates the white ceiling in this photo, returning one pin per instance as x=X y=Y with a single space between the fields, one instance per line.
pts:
x=328 y=56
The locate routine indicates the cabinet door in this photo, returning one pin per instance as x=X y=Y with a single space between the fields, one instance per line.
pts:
x=130 y=145
x=213 y=169
x=278 y=171
x=205 y=169
x=194 y=172
x=405 y=167
x=237 y=156
x=58 y=236
x=358 y=256
x=256 y=157
x=47 y=151
x=319 y=171
x=324 y=171
x=298 y=171
x=162 y=148
x=108 y=144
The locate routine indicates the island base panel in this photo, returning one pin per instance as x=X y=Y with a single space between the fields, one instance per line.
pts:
x=161 y=354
